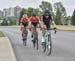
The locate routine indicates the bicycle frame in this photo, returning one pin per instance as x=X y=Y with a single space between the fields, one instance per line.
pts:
x=47 y=43
x=24 y=35
x=46 y=37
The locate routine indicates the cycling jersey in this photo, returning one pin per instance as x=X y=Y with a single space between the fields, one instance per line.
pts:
x=24 y=21
x=47 y=21
x=34 y=20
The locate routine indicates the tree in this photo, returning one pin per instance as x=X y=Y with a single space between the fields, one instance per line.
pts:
x=32 y=10
x=12 y=20
x=68 y=20
x=60 y=7
x=5 y=22
x=73 y=18
x=24 y=11
x=58 y=17
x=38 y=12
x=46 y=6
x=29 y=11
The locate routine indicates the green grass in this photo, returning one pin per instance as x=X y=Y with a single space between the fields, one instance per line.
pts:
x=66 y=28
x=1 y=34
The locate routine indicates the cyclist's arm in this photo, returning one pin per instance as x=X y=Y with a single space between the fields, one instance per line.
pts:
x=53 y=24
x=39 y=21
x=29 y=19
x=51 y=19
x=21 y=25
x=42 y=23
x=21 y=21
x=29 y=25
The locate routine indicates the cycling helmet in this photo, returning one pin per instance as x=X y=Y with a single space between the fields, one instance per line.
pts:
x=25 y=15
x=33 y=14
x=46 y=13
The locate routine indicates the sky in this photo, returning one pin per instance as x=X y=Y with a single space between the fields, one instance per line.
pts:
x=68 y=4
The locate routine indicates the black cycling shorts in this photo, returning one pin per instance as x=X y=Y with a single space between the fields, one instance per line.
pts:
x=34 y=24
x=47 y=23
x=25 y=24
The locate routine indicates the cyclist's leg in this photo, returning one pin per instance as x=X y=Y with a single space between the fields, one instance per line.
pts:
x=25 y=30
x=31 y=29
x=33 y=26
x=22 y=33
x=25 y=33
x=43 y=34
x=35 y=35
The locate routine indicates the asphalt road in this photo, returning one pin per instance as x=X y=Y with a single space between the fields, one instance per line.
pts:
x=63 y=46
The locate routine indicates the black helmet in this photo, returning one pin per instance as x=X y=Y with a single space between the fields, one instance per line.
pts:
x=33 y=14
x=46 y=13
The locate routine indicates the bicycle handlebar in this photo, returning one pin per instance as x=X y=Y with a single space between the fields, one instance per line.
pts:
x=41 y=28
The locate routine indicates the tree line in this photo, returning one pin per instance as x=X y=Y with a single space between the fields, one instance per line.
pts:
x=58 y=12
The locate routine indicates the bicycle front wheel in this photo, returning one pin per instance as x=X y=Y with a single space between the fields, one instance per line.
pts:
x=49 y=45
x=44 y=46
x=24 y=42
x=37 y=44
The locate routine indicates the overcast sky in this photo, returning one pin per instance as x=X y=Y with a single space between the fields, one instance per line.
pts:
x=68 y=4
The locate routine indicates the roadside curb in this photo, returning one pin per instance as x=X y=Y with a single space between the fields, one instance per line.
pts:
x=10 y=55
x=12 y=51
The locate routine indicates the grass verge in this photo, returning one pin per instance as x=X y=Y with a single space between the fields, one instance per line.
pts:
x=1 y=34
x=66 y=28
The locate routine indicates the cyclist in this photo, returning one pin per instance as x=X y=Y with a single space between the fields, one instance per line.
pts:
x=23 y=24
x=46 y=21
x=34 y=21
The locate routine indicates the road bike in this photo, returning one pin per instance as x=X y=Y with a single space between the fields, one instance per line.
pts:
x=24 y=36
x=35 y=37
x=47 y=44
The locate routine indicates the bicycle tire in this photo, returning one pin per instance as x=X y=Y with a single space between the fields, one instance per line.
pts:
x=44 y=43
x=49 y=45
x=44 y=46
x=35 y=36
x=24 y=35
x=34 y=43
x=37 y=44
x=24 y=42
